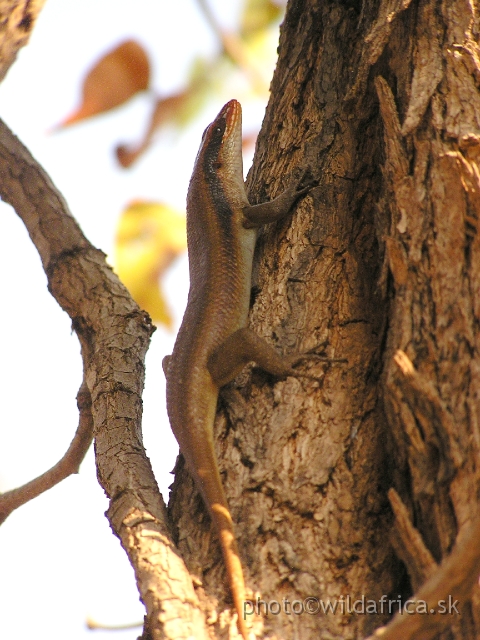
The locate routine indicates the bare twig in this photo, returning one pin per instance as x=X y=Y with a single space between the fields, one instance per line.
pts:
x=95 y=626
x=70 y=463
x=234 y=48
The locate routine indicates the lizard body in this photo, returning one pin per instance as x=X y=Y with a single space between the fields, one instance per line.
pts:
x=213 y=343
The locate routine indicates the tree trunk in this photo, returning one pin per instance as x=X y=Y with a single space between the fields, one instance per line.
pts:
x=380 y=104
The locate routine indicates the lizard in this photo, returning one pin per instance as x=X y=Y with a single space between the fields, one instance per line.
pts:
x=213 y=343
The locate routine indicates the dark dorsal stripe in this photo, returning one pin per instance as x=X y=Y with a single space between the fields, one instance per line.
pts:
x=210 y=165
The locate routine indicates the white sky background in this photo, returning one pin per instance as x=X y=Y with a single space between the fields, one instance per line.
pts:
x=59 y=562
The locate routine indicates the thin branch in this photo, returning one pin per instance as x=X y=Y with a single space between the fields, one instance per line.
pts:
x=234 y=47
x=95 y=626
x=69 y=464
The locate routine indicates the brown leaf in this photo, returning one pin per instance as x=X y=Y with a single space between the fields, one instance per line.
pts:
x=116 y=77
x=165 y=111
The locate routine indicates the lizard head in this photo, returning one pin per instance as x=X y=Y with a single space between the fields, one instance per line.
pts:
x=221 y=150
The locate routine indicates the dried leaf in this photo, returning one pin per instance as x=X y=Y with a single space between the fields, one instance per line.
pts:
x=164 y=112
x=150 y=235
x=178 y=109
x=116 y=78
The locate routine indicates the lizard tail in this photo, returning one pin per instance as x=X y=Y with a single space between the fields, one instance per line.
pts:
x=224 y=524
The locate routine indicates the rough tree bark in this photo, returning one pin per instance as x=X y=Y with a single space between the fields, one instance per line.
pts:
x=17 y=20
x=380 y=264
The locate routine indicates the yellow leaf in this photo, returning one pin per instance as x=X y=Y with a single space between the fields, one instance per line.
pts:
x=149 y=237
x=259 y=15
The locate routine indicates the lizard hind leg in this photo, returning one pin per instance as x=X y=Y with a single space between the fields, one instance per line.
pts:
x=244 y=346
x=240 y=348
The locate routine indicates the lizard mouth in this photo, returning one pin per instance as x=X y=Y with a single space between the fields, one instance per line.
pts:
x=232 y=112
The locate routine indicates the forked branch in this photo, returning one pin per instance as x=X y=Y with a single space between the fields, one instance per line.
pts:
x=114 y=335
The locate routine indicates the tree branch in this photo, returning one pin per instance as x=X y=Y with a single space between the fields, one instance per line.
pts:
x=114 y=335
x=17 y=19
x=234 y=48
x=70 y=463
